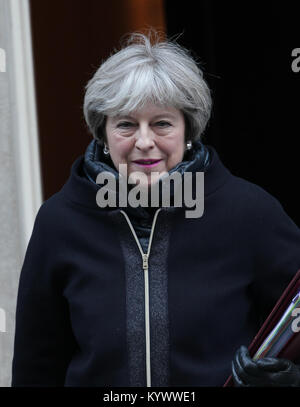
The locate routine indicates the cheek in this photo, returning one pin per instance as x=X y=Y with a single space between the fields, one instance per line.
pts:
x=175 y=153
x=175 y=149
x=177 y=156
x=121 y=148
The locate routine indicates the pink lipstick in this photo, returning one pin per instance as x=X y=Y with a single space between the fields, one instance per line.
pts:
x=147 y=163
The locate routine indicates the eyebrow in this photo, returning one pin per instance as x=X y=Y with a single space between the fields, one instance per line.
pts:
x=160 y=115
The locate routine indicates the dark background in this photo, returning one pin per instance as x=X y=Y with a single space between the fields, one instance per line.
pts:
x=244 y=49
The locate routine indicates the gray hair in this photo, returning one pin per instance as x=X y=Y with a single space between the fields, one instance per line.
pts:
x=161 y=72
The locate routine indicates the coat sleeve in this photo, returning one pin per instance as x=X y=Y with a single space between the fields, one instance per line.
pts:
x=43 y=343
x=277 y=247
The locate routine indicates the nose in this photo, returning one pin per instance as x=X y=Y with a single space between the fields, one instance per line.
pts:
x=144 y=138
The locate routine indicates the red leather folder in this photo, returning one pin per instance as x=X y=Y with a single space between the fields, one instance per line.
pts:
x=291 y=349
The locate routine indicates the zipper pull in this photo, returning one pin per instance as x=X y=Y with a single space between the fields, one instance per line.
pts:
x=145 y=261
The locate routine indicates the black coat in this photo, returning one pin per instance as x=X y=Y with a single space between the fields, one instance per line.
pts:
x=82 y=311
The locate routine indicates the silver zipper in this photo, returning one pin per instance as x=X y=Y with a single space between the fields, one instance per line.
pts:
x=145 y=258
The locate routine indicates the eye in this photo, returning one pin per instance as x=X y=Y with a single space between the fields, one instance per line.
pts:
x=125 y=125
x=163 y=123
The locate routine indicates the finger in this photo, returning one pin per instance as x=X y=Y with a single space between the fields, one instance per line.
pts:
x=238 y=372
x=252 y=373
x=236 y=376
x=246 y=362
x=288 y=374
x=243 y=377
x=271 y=364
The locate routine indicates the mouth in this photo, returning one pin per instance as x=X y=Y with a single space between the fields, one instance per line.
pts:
x=147 y=163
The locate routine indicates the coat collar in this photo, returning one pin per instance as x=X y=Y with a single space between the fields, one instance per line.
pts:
x=196 y=159
x=82 y=189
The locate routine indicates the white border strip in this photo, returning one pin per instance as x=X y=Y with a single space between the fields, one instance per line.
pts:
x=26 y=142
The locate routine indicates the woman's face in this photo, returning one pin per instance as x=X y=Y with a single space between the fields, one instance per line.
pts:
x=152 y=133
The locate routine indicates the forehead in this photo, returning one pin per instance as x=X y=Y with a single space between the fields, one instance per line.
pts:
x=150 y=111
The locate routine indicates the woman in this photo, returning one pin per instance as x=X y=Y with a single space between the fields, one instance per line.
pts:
x=143 y=295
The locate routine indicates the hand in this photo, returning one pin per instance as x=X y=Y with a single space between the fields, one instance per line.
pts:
x=268 y=371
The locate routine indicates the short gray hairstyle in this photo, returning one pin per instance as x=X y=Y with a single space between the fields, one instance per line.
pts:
x=161 y=72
